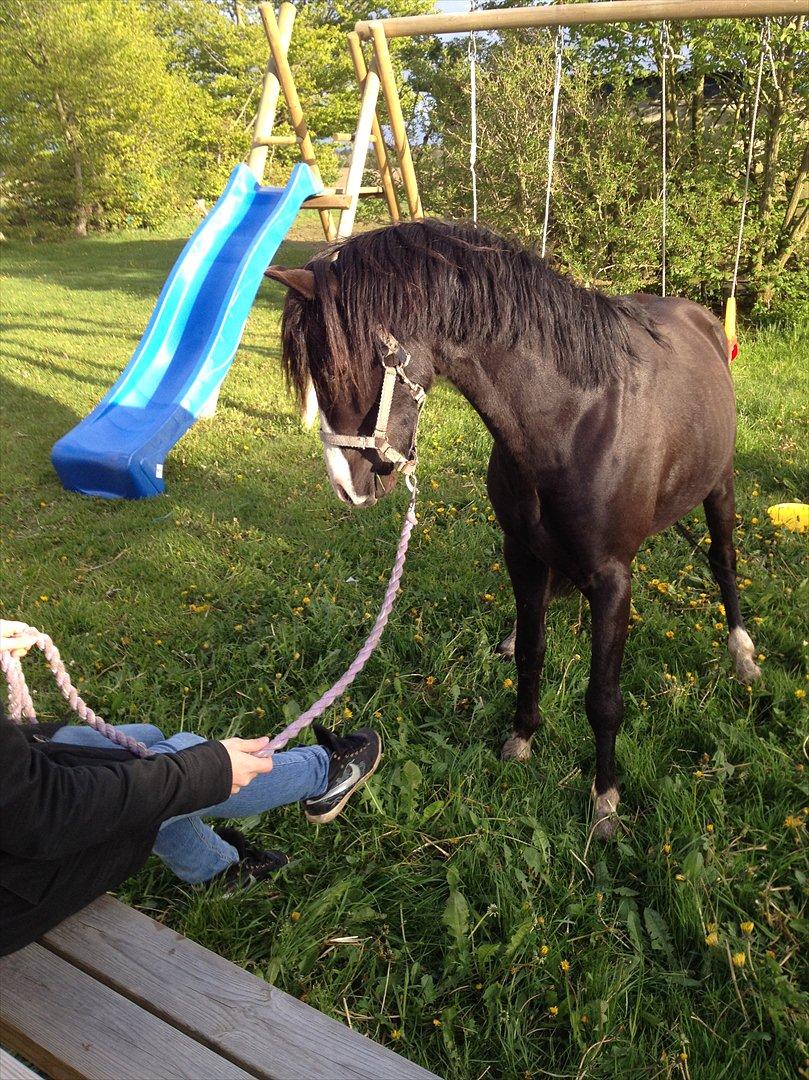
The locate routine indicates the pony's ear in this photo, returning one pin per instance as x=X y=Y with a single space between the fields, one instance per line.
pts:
x=303 y=281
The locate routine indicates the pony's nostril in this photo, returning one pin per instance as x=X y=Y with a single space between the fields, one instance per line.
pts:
x=341 y=493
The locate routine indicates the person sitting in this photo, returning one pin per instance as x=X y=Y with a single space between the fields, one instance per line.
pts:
x=78 y=816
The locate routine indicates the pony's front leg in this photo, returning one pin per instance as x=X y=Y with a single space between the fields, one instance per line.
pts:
x=609 y=597
x=529 y=579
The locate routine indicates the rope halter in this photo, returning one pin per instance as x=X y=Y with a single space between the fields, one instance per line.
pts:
x=395 y=359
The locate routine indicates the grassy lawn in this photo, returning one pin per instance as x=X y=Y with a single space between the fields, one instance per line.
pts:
x=454 y=912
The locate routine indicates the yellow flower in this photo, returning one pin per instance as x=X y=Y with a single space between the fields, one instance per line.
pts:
x=44 y=599
x=709 y=828
x=800 y=694
x=295 y=916
x=746 y=927
x=544 y=950
x=430 y=680
x=396 y=1034
x=347 y=713
x=793 y=821
x=712 y=940
x=565 y=965
x=669 y=634
x=666 y=849
x=554 y=1010
x=508 y=683
x=738 y=959
x=488 y=597
x=377 y=715
x=436 y=1021
x=495 y=567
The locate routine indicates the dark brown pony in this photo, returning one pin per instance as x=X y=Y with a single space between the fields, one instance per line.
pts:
x=612 y=417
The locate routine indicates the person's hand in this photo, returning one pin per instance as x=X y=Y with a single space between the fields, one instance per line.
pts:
x=245 y=765
x=16 y=637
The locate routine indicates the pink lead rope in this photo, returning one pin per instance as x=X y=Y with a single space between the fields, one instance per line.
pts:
x=21 y=706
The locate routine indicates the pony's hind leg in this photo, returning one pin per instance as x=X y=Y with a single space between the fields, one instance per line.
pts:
x=720 y=509
x=529 y=579
x=609 y=597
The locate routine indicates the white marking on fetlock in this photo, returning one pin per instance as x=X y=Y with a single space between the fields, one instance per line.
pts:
x=508 y=644
x=516 y=748
x=743 y=651
x=605 y=809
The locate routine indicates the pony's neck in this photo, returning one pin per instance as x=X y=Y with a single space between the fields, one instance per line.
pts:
x=520 y=396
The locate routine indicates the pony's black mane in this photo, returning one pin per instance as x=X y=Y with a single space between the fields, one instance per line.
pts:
x=449 y=283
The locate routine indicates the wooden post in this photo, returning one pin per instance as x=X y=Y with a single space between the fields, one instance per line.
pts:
x=611 y=11
x=359 y=151
x=385 y=178
x=265 y=114
x=388 y=80
x=285 y=78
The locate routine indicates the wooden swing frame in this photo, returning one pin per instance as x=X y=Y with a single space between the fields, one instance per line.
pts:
x=379 y=74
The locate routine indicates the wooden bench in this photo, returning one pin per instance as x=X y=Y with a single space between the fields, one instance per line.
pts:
x=111 y=994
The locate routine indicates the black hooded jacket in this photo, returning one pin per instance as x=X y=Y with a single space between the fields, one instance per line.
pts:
x=76 y=821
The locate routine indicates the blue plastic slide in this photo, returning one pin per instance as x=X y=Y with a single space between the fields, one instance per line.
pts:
x=188 y=346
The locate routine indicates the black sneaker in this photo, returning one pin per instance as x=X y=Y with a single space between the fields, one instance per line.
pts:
x=353 y=759
x=253 y=866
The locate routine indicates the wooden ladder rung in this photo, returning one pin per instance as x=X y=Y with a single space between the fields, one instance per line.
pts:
x=277 y=140
x=327 y=202
x=373 y=191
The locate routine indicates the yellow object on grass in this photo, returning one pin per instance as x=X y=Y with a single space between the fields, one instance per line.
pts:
x=794 y=516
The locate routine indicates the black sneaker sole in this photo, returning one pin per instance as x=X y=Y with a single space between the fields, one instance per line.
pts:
x=330 y=815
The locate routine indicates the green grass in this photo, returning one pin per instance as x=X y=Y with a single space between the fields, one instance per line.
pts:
x=461 y=883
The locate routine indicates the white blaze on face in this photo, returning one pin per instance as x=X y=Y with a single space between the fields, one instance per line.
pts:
x=339 y=471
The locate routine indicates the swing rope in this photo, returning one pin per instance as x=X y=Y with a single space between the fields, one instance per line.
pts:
x=472 y=52
x=667 y=55
x=765 y=50
x=558 y=48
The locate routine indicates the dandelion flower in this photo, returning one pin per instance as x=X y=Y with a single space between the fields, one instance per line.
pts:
x=295 y=916
x=666 y=849
x=669 y=634
x=544 y=950
x=712 y=940
x=508 y=683
x=709 y=828
x=554 y=1010
x=738 y=959
x=746 y=927
x=565 y=965
x=396 y=1034
x=347 y=713
x=800 y=694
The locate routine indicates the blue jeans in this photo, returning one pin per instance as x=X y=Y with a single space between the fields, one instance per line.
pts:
x=186 y=844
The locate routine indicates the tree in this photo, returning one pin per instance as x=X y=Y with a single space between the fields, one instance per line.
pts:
x=96 y=130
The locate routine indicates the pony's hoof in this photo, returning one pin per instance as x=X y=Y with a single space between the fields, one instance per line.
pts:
x=743 y=651
x=605 y=828
x=516 y=748
x=606 y=814
x=506 y=646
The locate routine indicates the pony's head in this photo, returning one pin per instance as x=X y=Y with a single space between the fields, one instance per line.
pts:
x=364 y=384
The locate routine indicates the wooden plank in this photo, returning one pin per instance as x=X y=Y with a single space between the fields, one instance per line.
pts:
x=11 y=1069
x=74 y=1028
x=612 y=11
x=267 y=1032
